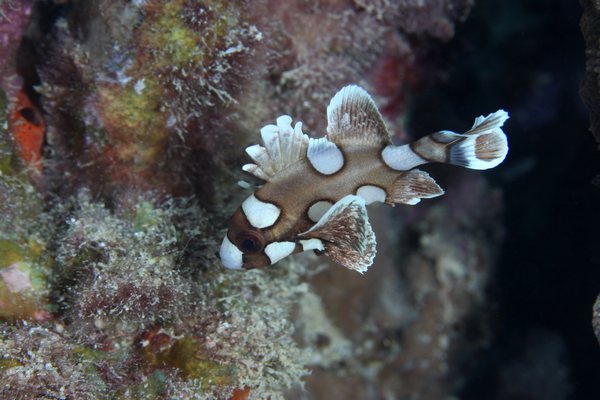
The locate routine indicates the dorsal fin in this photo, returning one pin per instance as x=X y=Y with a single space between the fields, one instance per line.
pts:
x=353 y=118
x=346 y=234
x=283 y=146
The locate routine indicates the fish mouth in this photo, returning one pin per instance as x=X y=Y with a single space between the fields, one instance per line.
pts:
x=231 y=256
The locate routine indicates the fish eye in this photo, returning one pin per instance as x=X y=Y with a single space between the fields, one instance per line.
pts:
x=250 y=242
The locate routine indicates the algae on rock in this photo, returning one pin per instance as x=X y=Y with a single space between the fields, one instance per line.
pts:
x=148 y=105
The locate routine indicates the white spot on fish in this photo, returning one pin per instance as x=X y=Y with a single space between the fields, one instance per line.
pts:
x=316 y=211
x=259 y=213
x=371 y=194
x=412 y=201
x=244 y=184
x=325 y=156
x=278 y=250
x=231 y=256
x=401 y=158
x=312 y=244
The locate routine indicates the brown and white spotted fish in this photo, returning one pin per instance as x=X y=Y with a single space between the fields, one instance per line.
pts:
x=316 y=189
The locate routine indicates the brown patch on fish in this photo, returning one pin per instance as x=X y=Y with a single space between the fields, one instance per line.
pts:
x=253 y=261
x=487 y=147
x=430 y=150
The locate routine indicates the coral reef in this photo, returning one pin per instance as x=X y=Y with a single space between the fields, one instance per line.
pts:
x=25 y=262
x=140 y=322
x=134 y=95
x=132 y=92
x=414 y=326
x=19 y=115
x=109 y=282
x=38 y=363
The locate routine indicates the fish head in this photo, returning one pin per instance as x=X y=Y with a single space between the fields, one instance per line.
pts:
x=343 y=233
x=261 y=234
x=243 y=245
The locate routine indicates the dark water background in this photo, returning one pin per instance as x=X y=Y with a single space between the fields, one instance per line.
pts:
x=529 y=57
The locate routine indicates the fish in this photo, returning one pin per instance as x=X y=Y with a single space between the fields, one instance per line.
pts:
x=316 y=190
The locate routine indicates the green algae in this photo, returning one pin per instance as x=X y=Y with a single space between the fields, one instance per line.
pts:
x=172 y=42
x=24 y=287
x=186 y=356
x=134 y=121
x=10 y=253
x=154 y=386
x=36 y=360
x=23 y=292
x=117 y=275
x=7 y=363
x=25 y=265
x=175 y=43
x=137 y=109
x=146 y=216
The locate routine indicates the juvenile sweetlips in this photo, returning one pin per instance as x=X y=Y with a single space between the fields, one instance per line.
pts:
x=316 y=190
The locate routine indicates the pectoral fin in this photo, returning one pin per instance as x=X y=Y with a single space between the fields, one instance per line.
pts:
x=346 y=234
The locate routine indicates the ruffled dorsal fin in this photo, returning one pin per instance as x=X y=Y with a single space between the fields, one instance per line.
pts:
x=283 y=146
x=353 y=118
x=346 y=234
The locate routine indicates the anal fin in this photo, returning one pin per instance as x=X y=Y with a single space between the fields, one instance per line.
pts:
x=412 y=186
x=346 y=234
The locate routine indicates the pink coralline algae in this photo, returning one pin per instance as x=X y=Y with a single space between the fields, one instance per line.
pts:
x=14 y=279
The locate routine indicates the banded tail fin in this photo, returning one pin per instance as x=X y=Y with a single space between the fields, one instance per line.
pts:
x=484 y=146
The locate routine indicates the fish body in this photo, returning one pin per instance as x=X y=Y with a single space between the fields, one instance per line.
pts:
x=316 y=190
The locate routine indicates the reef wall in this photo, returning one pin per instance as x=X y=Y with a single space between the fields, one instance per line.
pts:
x=123 y=128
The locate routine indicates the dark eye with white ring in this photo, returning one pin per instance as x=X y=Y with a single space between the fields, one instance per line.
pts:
x=250 y=242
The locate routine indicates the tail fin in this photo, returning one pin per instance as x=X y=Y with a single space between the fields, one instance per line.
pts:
x=483 y=147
